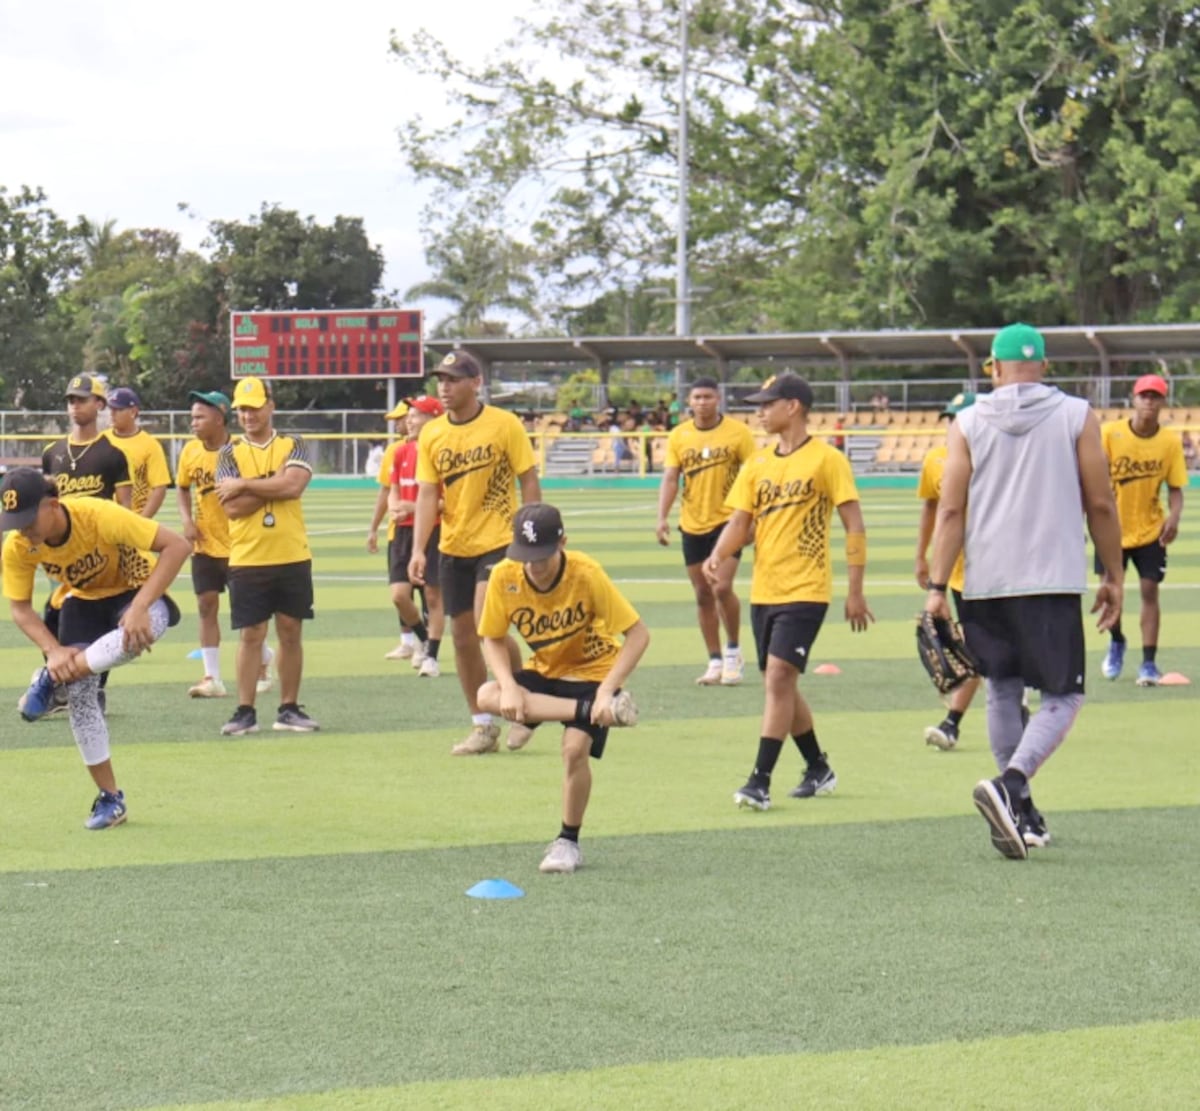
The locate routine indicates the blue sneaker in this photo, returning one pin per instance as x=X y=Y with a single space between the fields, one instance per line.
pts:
x=39 y=698
x=1148 y=674
x=1114 y=660
x=107 y=811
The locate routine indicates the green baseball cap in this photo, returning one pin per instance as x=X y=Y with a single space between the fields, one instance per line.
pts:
x=1019 y=343
x=957 y=404
x=215 y=398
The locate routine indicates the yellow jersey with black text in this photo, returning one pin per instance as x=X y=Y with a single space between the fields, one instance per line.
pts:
x=274 y=533
x=104 y=553
x=477 y=463
x=1137 y=467
x=197 y=472
x=574 y=628
x=708 y=460
x=147 y=464
x=929 y=488
x=791 y=499
x=385 y=476
x=94 y=468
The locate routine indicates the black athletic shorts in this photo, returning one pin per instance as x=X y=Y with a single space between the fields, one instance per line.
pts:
x=536 y=683
x=1037 y=638
x=786 y=630
x=256 y=594
x=86 y=620
x=1150 y=561
x=461 y=574
x=400 y=552
x=210 y=574
x=698 y=546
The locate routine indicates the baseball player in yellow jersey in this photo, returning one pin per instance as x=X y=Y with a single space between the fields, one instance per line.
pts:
x=929 y=490
x=148 y=468
x=1142 y=458
x=473 y=458
x=260 y=479
x=586 y=641
x=116 y=607
x=788 y=493
x=207 y=527
x=403 y=650
x=706 y=453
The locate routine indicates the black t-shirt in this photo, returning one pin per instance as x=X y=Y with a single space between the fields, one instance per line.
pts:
x=86 y=470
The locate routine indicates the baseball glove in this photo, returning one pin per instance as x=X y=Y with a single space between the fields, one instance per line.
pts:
x=943 y=653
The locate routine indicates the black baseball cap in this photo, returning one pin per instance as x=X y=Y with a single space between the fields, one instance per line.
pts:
x=459 y=364
x=21 y=493
x=784 y=387
x=537 y=529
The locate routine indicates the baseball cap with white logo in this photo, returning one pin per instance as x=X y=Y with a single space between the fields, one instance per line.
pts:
x=537 y=529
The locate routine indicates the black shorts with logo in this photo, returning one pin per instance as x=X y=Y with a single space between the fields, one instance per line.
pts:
x=537 y=683
x=698 y=546
x=209 y=574
x=400 y=552
x=256 y=594
x=86 y=620
x=1150 y=561
x=1037 y=638
x=461 y=574
x=786 y=630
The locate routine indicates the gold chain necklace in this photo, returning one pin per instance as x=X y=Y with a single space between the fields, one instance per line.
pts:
x=76 y=458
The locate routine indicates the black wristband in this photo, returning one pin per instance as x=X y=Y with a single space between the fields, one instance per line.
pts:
x=938 y=588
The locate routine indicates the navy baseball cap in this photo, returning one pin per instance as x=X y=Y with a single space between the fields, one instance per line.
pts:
x=124 y=398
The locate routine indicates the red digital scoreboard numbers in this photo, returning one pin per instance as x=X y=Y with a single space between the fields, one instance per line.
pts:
x=335 y=343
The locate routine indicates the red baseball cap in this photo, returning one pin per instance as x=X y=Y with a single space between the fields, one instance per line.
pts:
x=1150 y=383
x=429 y=405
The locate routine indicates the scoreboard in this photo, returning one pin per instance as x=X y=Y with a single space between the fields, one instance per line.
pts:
x=334 y=343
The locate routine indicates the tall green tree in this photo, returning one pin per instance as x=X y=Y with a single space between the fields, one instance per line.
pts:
x=853 y=163
x=40 y=253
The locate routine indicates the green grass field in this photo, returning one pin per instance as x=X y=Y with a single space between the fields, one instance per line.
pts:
x=283 y=921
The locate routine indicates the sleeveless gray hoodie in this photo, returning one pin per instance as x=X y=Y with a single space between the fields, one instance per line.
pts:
x=1024 y=527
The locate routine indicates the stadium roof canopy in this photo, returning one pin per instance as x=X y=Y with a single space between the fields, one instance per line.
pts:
x=1102 y=345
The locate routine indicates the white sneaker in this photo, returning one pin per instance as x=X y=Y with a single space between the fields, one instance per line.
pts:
x=418 y=656
x=265 y=680
x=561 y=856
x=400 y=652
x=519 y=735
x=712 y=676
x=429 y=668
x=481 y=739
x=732 y=668
x=208 y=687
x=624 y=709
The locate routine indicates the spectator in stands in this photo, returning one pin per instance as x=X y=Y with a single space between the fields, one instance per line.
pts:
x=879 y=402
x=1189 y=451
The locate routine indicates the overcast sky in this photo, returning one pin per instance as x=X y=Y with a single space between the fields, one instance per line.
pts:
x=120 y=109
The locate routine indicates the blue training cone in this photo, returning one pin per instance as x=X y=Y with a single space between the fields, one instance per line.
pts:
x=495 y=889
x=195 y=654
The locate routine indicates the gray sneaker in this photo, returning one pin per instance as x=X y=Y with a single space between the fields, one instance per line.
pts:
x=561 y=856
x=482 y=739
x=292 y=719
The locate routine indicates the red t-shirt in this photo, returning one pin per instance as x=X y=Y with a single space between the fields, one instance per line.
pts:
x=404 y=475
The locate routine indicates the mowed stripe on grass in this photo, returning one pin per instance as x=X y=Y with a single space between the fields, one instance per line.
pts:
x=286 y=914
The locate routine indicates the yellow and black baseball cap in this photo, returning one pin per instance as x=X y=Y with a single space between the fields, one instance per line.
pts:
x=84 y=385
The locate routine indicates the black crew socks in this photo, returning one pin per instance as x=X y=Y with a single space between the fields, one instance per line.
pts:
x=421 y=633
x=807 y=744
x=954 y=717
x=431 y=647
x=1015 y=784
x=569 y=833
x=1149 y=651
x=768 y=753
x=1116 y=634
